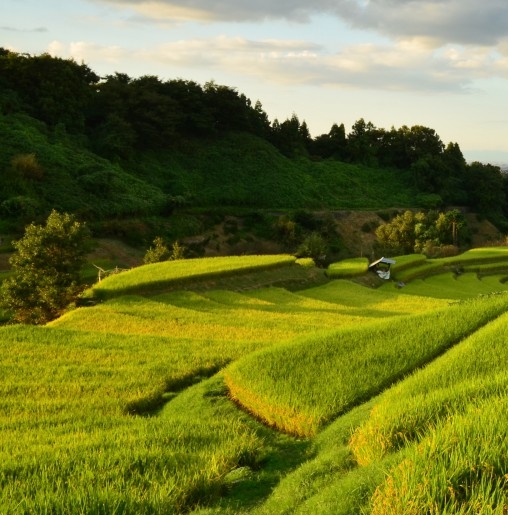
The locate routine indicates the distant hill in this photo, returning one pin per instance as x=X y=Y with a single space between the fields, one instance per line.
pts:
x=129 y=155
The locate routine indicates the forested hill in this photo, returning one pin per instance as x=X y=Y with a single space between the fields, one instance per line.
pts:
x=116 y=146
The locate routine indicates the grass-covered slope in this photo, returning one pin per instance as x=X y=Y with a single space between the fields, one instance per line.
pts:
x=167 y=274
x=66 y=176
x=327 y=374
x=482 y=261
x=46 y=168
x=242 y=170
x=109 y=409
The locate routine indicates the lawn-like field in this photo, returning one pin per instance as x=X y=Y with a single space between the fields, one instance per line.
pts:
x=336 y=398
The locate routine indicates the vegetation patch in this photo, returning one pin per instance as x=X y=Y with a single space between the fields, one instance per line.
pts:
x=158 y=276
x=347 y=268
x=357 y=364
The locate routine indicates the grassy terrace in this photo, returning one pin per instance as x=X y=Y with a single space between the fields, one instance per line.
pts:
x=125 y=406
x=347 y=268
x=489 y=259
x=159 y=276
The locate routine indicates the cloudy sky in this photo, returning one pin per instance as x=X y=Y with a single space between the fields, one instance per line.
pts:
x=438 y=63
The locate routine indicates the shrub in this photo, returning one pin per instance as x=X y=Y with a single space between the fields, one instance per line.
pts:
x=159 y=252
x=27 y=166
x=45 y=269
x=313 y=246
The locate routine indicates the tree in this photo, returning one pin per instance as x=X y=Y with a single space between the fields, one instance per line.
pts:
x=399 y=234
x=314 y=246
x=423 y=232
x=45 y=269
x=363 y=142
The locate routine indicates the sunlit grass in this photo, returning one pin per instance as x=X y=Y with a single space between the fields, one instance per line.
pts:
x=70 y=445
x=489 y=258
x=160 y=275
x=281 y=386
x=473 y=370
x=348 y=268
x=451 y=286
x=100 y=412
x=459 y=467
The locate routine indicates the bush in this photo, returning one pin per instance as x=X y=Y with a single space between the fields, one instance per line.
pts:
x=159 y=252
x=45 y=269
x=313 y=246
x=27 y=167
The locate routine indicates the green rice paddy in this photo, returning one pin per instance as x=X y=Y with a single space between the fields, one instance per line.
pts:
x=347 y=399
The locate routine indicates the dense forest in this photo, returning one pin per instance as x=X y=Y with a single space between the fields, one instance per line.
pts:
x=116 y=146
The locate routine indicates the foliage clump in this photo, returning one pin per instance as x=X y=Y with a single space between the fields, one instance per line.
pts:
x=423 y=232
x=160 y=252
x=46 y=269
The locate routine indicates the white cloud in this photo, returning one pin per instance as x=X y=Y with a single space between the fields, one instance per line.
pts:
x=434 y=21
x=405 y=66
x=16 y=29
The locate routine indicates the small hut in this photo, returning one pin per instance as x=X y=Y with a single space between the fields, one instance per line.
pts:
x=382 y=267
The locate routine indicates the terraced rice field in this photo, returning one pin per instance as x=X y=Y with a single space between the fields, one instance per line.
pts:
x=126 y=407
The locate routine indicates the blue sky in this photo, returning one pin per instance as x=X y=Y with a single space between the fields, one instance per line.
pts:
x=438 y=63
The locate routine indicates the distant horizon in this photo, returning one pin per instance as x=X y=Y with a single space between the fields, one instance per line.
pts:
x=494 y=157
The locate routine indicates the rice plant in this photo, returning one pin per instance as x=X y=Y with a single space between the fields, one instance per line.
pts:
x=280 y=384
x=459 y=467
x=347 y=268
x=170 y=273
x=473 y=370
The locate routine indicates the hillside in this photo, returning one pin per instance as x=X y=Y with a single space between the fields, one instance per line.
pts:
x=222 y=394
x=46 y=169
x=127 y=154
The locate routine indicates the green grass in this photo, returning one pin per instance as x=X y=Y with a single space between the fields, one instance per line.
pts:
x=166 y=274
x=71 y=442
x=347 y=268
x=474 y=260
x=280 y=385
x=124 y=407
x=473 y=370
x=450 y=286
x=459 y=467
x=447 y=423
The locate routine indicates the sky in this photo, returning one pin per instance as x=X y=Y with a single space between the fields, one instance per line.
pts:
x=442 y=64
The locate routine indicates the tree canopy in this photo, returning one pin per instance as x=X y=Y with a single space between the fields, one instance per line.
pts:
x=45 y=269
x=117 y=117
x=423 y=232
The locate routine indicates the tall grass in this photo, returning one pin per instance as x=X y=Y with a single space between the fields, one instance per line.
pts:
x=474 y=370
x=156 y=276
x=451 y=286
x=472 y=260
x=384 y=301
x=69 y=443
x=347 y=268
x=300 y=386
x=100 y=412
x=458 y=468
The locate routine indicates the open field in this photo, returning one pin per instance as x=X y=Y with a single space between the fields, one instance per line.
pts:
x=125 y=406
